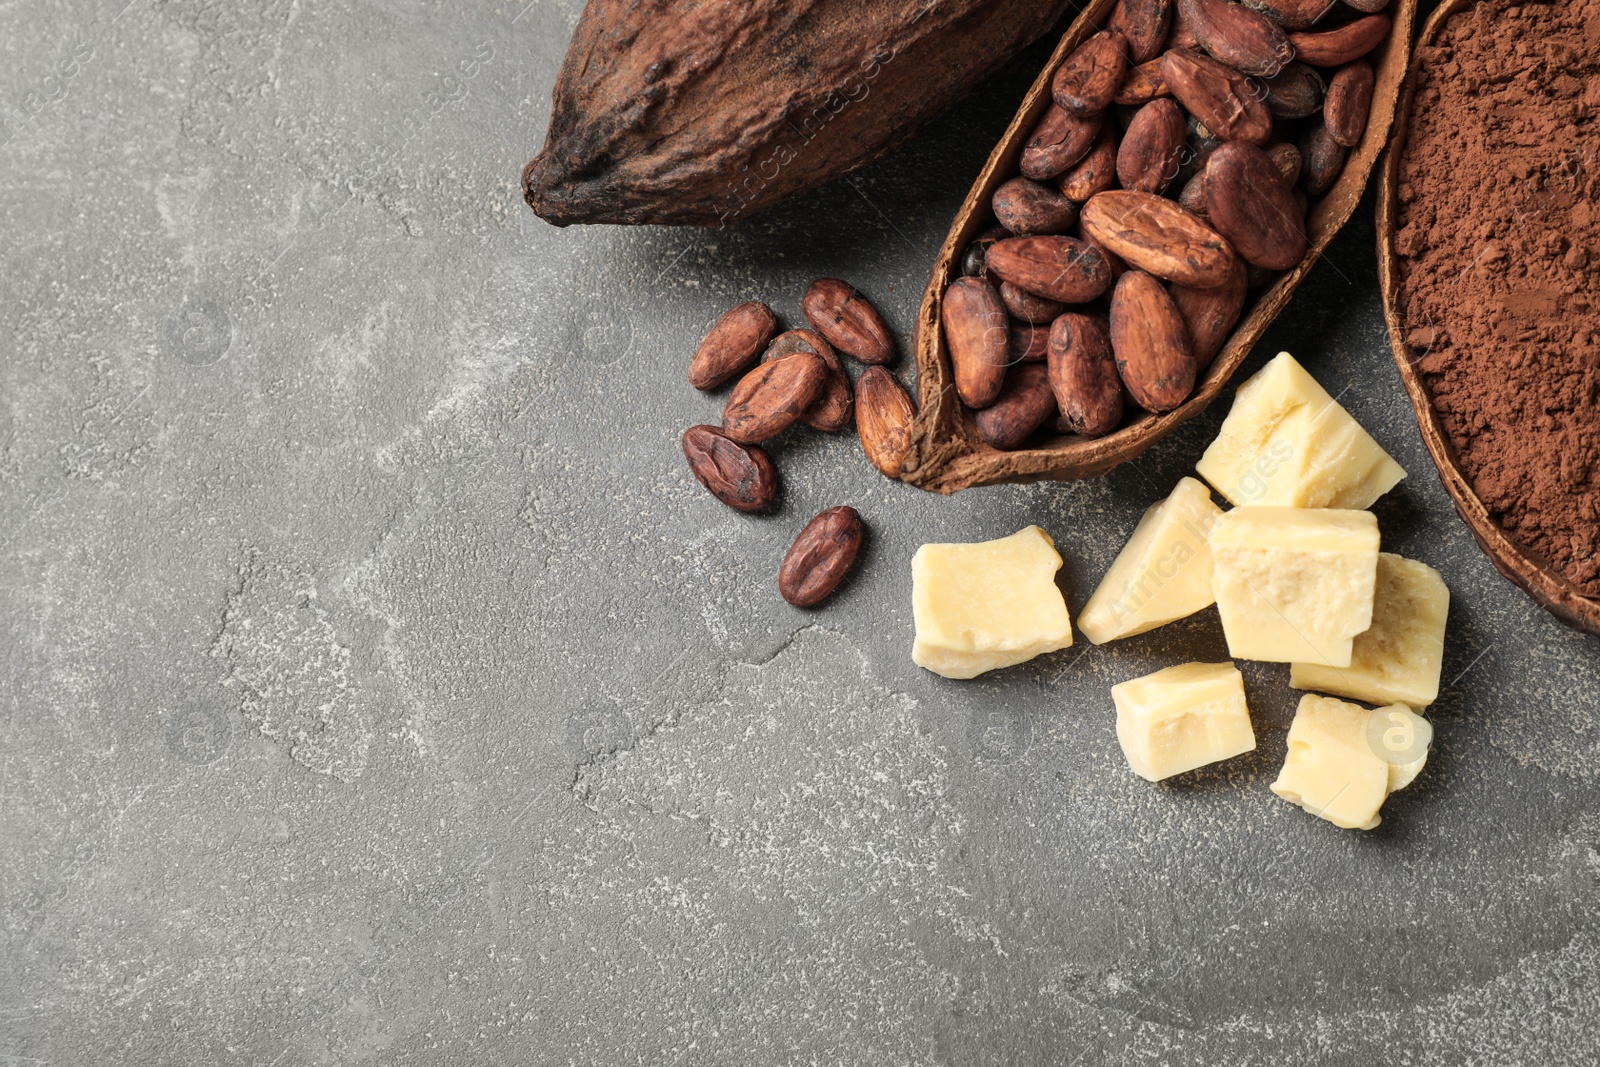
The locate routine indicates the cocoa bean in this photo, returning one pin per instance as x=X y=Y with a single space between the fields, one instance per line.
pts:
x=1151 y=343
x=1088 y=78
x=1143 y=84
x=1060 y=268
x=1335 y=48
x=1096 y=171
x=1029 y=342
x=741 y=476
x=1024 y=405
x=772 y=396
x=1349 y=102
x=1192 y=197
x=849 y=322
x=1117 y=265
x=1244 y=39
x=1158 y=236
x=1367 y=7
x=1025 y=206
x=1293 y=14
x=1295 y=92
x=820 y=557
x=1259 y=277
x=1083 y=376
x=1027 y=306
x=973 y=261
x=835 y=408
x=1286 y=157
x=884 y=414
x=976 y=333
x=1250 y=205
x=1144 y=25
x=1059 y=141
x=1218 y=96
x=1152 y=148
x=1210 y=314
x=1324 y=159
x=1195 y=154
x=732 y=344
x=1182 y=35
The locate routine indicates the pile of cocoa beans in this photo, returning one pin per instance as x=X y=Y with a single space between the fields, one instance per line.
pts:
x=797 y=376
x=1170 y=177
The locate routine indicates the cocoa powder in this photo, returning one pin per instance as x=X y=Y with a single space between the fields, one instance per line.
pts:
x=1499 y=233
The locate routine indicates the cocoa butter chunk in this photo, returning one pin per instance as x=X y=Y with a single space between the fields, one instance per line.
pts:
x=1344 y=760
x=1181 y=718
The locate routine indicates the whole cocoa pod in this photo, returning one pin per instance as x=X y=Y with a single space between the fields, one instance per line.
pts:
x=1144 y=25
x=1024 y=405
x=1059 y=141
x=1349 y=103
x=741 y=476
x=1217 y=95
x=1151 y=343
x=1151 y=149
x=770 y=398
x=733 y=344
x=820 y=557
x=1027 y=306
x=699 y=114
x=1083 y=376
x=1158 y=236
x=1060 y=268
x=1250 y=205
x=1088 y=78
x=976 y=333
x=1025 y=206
x=1210 y=314
x=884 y=414
x=1243 y=39
x=1335 y=48
x=849 y=322
x=1295 y=92
x=1096 y=171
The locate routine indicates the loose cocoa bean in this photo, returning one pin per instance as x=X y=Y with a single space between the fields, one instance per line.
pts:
x=741 y=476
x=1083 y=376
x=1088 y=78
x=835 y=408
x=1244 y=39
x=1152 y=148
x=1027 y=306
x=976 y=333
x=820 y=557
x=1335 y=48
x=1024 y=405
x=848 y=320
x=1029 y=342
x=1367 y=7
x=1249 y=204
x=732 y=344
x=1295 y=92
x=1286 y=157
x=1060 y=268
x=973 y=261
x=772 y=396
x=1218 y=96
x=1349 y=102
x=1324 y=159
x=1151 y=343
x=1143 y=84
x=1292 y=14
x=1210 y=314
x=1096 y=171
x=1144 y=25
x=1059 y=141
x=1025 y=206
x=884 y=414
x=1158 y=236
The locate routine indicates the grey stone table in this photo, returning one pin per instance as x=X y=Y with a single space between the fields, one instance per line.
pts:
x=379 y=687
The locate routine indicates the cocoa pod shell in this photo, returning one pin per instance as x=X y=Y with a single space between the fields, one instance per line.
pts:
x=1096 y=171
x=1245 y=40
x=1296 y=92
x=1349 y=102
x=1087 y=80
x=884 y=414
x=1025 y=404
x=1156 y=235
x=847 y=320
x=977 y=333
x=1083 y=376
x=834 y=410
x=1293 y=14
x=1059 y=141
x=1025 y=206
x=1249 y=204
x=820 y=557
x=1335 y=48
x=1152 y=148
x=1143 y=84
x=1150 y=343
x=1323 y=158
x=771 y=397
x=741 y=476
x=1218 y=96
x=1210 y=314
x=732 y=344
x=1060 y=268
x=1144 y=25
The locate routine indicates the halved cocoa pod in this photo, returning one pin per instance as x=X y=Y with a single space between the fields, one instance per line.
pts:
x=1060 y=268
x=1323 y=157
x=848 y=320
x=1150 y=343
x=1025 y=206
x=1143 y=84
x=1029 y=342
x=1250 y=205
x=1086 y=82
x=1335 y=48
x=1293 y=14
x=974 y=263
x=1096 y=171
x=1245 y=40
x=884 y=417
x=1029 y=307
x=1217 y=95
x=1286 y=157
x=835 y=408
x=1349 y=103
x=1211 y=313
x=741 y=476
x=1144 y=25
x=1156 y=235
x=1295 y=92
x=976 y=329
x=1059 y=141
x=1149 y=157
x=1024 y=405
x=1083 y=376
x=771 y=397
x=733 y=344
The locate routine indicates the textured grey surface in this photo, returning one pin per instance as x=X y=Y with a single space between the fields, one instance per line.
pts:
x=379 y=687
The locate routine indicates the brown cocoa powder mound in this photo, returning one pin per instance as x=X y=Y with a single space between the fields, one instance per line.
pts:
x=1498 y=245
